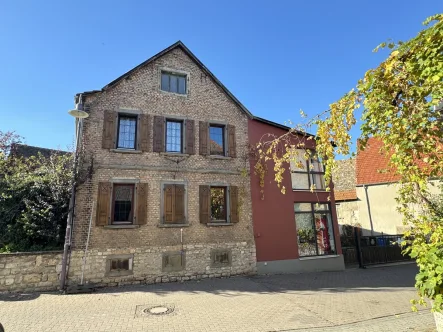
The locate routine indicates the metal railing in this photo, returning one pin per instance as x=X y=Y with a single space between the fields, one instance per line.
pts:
x=369 y=250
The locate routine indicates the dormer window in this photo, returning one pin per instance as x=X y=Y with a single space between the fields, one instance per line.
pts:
x=172 y=82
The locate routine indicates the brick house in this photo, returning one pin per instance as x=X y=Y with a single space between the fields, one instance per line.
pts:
x=296 y=231
x=168 y=198
x=170 y=194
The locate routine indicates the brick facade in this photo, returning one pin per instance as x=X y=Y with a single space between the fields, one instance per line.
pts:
x=140 y=93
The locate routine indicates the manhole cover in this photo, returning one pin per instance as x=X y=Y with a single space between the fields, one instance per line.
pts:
x=158 y=310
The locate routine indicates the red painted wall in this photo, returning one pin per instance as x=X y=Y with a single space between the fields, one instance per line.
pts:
x=273 y=217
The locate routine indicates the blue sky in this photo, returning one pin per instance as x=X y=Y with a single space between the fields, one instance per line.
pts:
x=276 y=57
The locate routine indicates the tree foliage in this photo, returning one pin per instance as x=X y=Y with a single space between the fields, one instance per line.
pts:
x=34 y=197
x=398 y=100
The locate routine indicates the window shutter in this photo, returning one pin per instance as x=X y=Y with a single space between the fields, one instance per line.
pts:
x=168 y=214
x=179 y=204
x=204 y=204
x=204 y=138
x=231 y=142
x=190 y=137
x=143 y=132
x=142 y=202
x=159 y=134
x=109 y=127
x=103 y=204
x=233 y=201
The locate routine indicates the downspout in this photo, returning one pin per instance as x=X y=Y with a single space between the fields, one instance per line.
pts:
x=369 y=208
x=68 y=234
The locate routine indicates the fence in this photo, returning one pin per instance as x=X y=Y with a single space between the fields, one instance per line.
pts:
x=368 y=250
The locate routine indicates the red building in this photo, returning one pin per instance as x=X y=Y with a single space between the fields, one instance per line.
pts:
x=296 y=231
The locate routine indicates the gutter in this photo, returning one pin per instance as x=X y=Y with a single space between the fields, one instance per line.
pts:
x=69 y=222
x=369 y=208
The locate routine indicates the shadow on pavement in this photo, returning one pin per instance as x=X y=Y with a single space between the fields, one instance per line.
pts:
x=16 y=297
x=385 y=279
x=374 y=279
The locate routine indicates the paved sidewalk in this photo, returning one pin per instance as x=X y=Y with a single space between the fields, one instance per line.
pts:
x=374 y=299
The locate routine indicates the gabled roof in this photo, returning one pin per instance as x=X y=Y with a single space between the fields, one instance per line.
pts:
x=186 y=50
x=372 y=165
x=180 y=45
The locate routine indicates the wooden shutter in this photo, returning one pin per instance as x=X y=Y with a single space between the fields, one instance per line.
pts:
x=143 y=132
x=233 y=201
x=159 y=134
x=168 y=202
x=231 y=142
x=179 y=204
x=109 y=128
x=142 y=203
x=205 y=204
x=204 y=138
x=190 y=137
x=103 y=204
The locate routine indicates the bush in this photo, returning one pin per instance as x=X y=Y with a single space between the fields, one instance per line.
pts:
x=34 y=198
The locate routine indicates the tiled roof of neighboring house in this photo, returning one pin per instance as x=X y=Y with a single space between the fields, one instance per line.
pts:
x=347 y=195
x=26 y=151
x=372 y=165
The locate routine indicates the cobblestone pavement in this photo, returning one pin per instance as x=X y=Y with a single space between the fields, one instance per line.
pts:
x=375 y=299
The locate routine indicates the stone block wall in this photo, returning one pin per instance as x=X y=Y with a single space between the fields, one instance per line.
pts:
x=147 y=264
x=31 y=271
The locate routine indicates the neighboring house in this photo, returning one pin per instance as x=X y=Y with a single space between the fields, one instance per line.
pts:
x=371 y=204
x=170 y=195
x=345 y=193
x=167 y=198
x=296 y=231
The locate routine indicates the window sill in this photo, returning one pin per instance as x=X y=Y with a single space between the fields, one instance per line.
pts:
x=184 y=95
x=119 y=273
x=219 y=224
x=172 y=225
x=219 y=157
x=126 y=151
x=174 y=154
x=309 y=190
x=120 y=226
x=317 y=257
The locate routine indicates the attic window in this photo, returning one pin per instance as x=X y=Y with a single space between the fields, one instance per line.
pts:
x=175 y=83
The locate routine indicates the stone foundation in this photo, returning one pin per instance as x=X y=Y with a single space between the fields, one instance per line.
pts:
x=30 y=271
x=148 y=264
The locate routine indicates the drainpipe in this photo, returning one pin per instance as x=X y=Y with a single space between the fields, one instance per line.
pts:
x=68 y=234
x=369 y=208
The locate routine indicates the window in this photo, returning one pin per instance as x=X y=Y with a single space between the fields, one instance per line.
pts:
x=173 y=261
x=306 y=174
x=123 y=204
x=127 y=131
x=217 y=140
x=174 y=136
x=221 y=257
x=119 y=265
x=218 y=204
x=174 y=204
x=315 y=233
x=175 y=83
